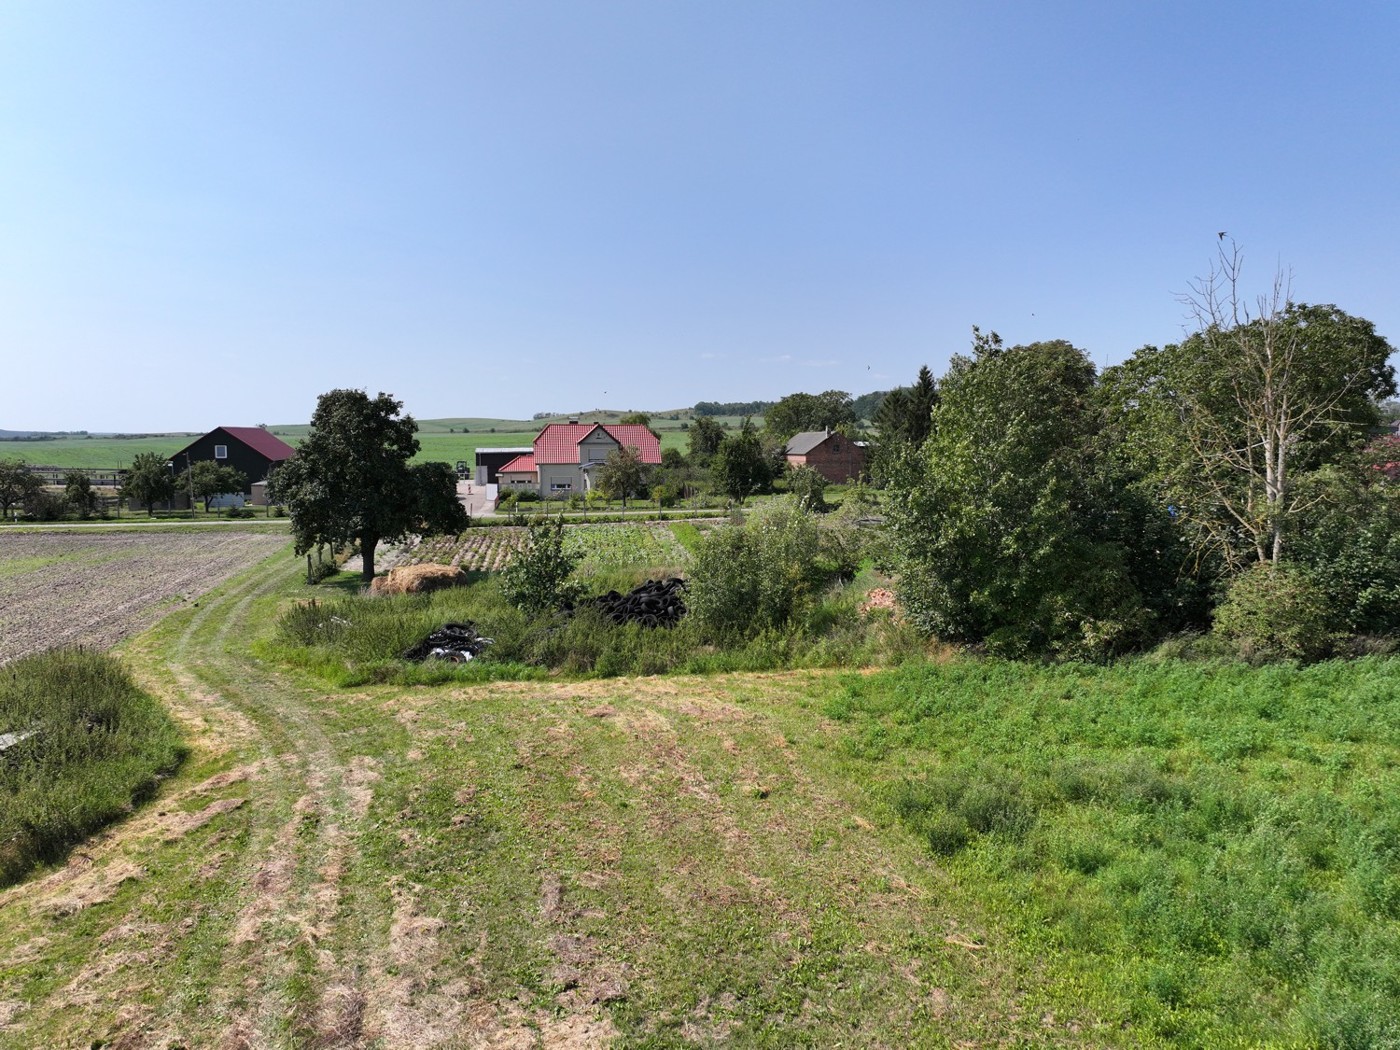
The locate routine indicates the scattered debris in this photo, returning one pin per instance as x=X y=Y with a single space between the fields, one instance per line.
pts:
x=655 y=603
x=457 y=642
x=9 y=740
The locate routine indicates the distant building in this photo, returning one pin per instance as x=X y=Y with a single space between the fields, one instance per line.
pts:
x=566 y=456
x=251 y=451
x=831 y=454
x=489 y=462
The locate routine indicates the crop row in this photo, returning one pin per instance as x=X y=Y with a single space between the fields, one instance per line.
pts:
x=597 y=546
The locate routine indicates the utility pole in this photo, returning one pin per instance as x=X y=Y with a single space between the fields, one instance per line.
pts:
x=189 y=473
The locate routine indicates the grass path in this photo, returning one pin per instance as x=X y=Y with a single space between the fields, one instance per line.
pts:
x=642 y=862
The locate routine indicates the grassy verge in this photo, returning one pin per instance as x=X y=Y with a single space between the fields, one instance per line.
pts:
x=1205 y=851
x=97 y=745
x=355 y=640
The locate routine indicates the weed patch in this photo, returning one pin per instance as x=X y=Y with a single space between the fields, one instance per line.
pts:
x=87 y=745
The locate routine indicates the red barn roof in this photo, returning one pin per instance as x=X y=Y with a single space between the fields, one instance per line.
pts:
x=259 y=440
x=520 y=464
x=558 y=442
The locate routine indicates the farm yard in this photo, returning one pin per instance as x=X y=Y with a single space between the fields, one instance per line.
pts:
x=95 y=587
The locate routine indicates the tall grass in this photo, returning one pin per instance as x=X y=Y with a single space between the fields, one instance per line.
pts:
x=355 y=640
x=1212 y=852
x=98 y=746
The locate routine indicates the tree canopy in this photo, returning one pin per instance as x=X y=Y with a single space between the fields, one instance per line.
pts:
x=797 y=413
x=623 y=474
x=1007 y=532
x=148 y=481
x=742 y=468
x=208 y=478
x=705 y=437
x=17 y=484
x=1228 y=423
x=350 y=480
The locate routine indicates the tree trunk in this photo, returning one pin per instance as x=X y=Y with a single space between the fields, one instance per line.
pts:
x=367 y=545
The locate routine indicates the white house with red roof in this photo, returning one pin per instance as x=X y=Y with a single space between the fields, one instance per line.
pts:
x=567 y=456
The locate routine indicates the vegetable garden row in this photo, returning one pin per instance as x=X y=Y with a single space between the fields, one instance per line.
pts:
x=598 y=546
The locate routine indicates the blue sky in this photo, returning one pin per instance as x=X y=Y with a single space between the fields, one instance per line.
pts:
x=211 y=213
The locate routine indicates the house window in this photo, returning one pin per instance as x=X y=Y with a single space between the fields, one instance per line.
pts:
x=561 y=486
x=221 y=452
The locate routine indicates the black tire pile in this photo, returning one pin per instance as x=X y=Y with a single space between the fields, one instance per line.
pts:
x=454 y=642
x=655 y=603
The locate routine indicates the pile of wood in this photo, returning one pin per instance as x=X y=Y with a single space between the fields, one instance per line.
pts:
x=454 y=642
x=414 y=579
x=655 y=603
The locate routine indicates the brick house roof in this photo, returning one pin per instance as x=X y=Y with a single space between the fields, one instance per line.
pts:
x=519 y=465
x=559 y=442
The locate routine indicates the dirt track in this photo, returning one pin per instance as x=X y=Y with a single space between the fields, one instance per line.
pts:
x=96 y=588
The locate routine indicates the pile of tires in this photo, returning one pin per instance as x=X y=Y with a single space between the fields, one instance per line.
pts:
x=454 y=642
x=655 y=603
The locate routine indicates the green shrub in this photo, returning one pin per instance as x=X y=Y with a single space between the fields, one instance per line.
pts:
x=746 y=578
x=1276 y=613
x=537 y=578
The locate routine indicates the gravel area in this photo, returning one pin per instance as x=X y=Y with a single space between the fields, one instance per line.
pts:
x=96 y=588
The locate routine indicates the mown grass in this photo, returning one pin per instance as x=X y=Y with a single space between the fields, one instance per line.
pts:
x=356 y=640
x=1209 y=853
x=98 y=746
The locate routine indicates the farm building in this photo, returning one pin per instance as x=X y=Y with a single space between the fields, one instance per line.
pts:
x=566 y=456
x=831 y=454
x=251 y=451
x=489 y=462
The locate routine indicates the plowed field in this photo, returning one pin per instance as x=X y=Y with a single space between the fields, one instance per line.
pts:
x=95 y=588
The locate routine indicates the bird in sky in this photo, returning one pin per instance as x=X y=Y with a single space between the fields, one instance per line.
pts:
x=1221 y=234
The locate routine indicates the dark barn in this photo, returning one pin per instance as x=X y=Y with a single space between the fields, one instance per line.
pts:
x=251 y=451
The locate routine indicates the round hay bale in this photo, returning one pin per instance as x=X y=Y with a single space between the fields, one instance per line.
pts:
x=417 y=579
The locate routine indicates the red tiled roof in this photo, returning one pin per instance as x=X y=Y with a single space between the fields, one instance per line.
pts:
x=259 y=440
x=558 y=442
x=520 y=464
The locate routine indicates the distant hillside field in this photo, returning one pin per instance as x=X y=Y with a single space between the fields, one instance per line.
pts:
x=436 y=436
x=95 y=453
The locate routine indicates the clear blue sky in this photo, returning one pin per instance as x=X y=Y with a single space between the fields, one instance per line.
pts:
x=212 y=212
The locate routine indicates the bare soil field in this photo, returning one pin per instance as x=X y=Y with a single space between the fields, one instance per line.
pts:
x=95 y=587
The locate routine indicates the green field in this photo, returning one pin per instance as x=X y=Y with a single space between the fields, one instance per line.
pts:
x=436 y=436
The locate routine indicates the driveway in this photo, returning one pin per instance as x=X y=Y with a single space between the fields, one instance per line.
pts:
x=473 y=497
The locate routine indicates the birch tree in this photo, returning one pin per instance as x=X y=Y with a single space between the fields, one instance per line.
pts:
x=1229 y=421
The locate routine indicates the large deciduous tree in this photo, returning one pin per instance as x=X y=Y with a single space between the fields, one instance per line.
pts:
x=208 y=478
x=797 y=413
x=17 y=484
x=1229 y=422
x=78 y=493
x=623 y=474
x=705 y=438
x=742 y=468
x=148 y=481
x=1005 y=528
x=350 y=480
